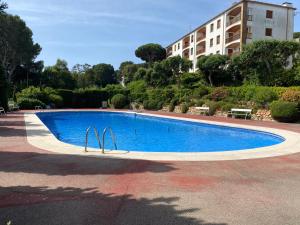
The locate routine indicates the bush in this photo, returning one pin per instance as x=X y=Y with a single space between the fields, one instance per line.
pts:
x=171 y=106
x=284 y=111
x=219 y=94
x=29 y=103
x=213 y=106
x=89 y=98
x=227 y=106
x=119 y=101
x=137 y=91
x=200 y=92
x=184 y=108
x=3 y=90
x=152 y=105
x=291 y=96
x=264 y=96
x=200 y=103
x=67 y=96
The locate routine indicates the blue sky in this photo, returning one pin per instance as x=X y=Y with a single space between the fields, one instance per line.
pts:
x=109 y=31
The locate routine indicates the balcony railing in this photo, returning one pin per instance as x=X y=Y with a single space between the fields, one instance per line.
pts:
x=234 y=20
x=186 y=44
x=200 y=37
x=233 y=38
x=200 y=51
x=169 y=53
x=249 y=35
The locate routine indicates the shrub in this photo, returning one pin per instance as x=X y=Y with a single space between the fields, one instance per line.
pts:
x=200 y=103
x=213 y=106
x=119 y=101
x=219 y=94
x=89 y=98
x=67 y=96
x=264 y=96
x=137 y=90
x=171 y=106
x=227 y=106
x=3 y=90
x=291 y=96
x=284 y=111
x=29 y=103
x=184 y=108
x=200 y=92
x=152 y=105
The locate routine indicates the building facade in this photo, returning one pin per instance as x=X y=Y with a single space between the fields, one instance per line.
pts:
x=242 y=23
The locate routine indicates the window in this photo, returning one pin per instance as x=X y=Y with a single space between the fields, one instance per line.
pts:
x=249 y=32
x=211 y=42
x=192 y=51
x=218 y=24
x=192 y=38
x=178 y=45
x=218 y=39
x=174 y=47
x=250 y=14
x=269 y=32
x=218 y=52
x=269 y=14
x=212 y=27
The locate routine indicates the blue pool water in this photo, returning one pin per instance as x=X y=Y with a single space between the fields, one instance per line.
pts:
x=151 y=134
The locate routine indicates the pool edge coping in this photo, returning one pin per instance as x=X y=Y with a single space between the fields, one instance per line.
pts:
x=44 y=139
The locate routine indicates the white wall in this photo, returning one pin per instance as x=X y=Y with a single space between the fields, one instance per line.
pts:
x=281 y=17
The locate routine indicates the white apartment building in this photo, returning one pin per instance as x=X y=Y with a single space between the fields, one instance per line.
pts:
x=242 y=23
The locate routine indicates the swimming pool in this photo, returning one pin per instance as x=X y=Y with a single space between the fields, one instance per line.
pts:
x=135 y=132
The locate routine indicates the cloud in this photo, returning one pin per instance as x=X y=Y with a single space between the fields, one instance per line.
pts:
x=47 y=14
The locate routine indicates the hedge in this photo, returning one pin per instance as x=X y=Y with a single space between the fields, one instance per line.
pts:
x=284 y=111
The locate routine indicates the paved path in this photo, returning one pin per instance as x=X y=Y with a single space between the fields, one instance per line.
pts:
x=40 y=188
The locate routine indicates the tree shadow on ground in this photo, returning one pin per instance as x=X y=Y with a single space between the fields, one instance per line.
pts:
x=63 y=165
x=27 y=205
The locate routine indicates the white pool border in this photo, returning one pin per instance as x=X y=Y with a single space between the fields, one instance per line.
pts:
x=39 y=136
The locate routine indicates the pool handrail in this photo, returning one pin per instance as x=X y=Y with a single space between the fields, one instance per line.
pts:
x=87 y=138
x=113 y=137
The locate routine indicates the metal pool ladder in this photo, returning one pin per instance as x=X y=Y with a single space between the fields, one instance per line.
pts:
x=112 y=135
x=87 y=138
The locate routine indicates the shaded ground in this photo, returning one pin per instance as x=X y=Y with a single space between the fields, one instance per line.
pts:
x=39 y=187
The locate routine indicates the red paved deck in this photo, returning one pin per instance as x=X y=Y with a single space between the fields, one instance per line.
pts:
x=39 y=187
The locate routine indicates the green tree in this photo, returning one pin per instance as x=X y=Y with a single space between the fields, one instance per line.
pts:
x=58 y=76
x=213 y=67
x=296 y=35
x=265 y=61
x=103 y=74
x=16 y=44
x=151 y=53
x=3 y=89
x=3 y=6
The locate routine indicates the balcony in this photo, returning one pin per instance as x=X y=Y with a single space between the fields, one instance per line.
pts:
x=233 y=20
x=201 y=34
x=186 y=42
x=200 y=49
x=233 y=38
x=186 y=53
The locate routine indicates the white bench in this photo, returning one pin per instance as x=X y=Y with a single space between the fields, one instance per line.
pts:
x=2 y=111
x=203 y=110
x=240 y=112
x=12 y=106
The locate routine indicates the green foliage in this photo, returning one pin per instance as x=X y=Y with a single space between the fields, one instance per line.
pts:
x=264 y=96
x=296 y=35
x=284 y=111
x=29 y=103
x=184 y=107
x=263 y=62
x=172 y=106
x=3 y=6
x=189 y=80
x=45 y=95
x=102 y=74
x=213 y=67
x=113 y=89
x=152 y=104
x=17 y=46
x=3 y=90
x=213 y=106
x=67 y=96
x=89 y=98
x=119 y=101
x=151 y=53
x=219 y=93
x=137 y=90
x=226 y=106
x=58 y=76
x=200 y=92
